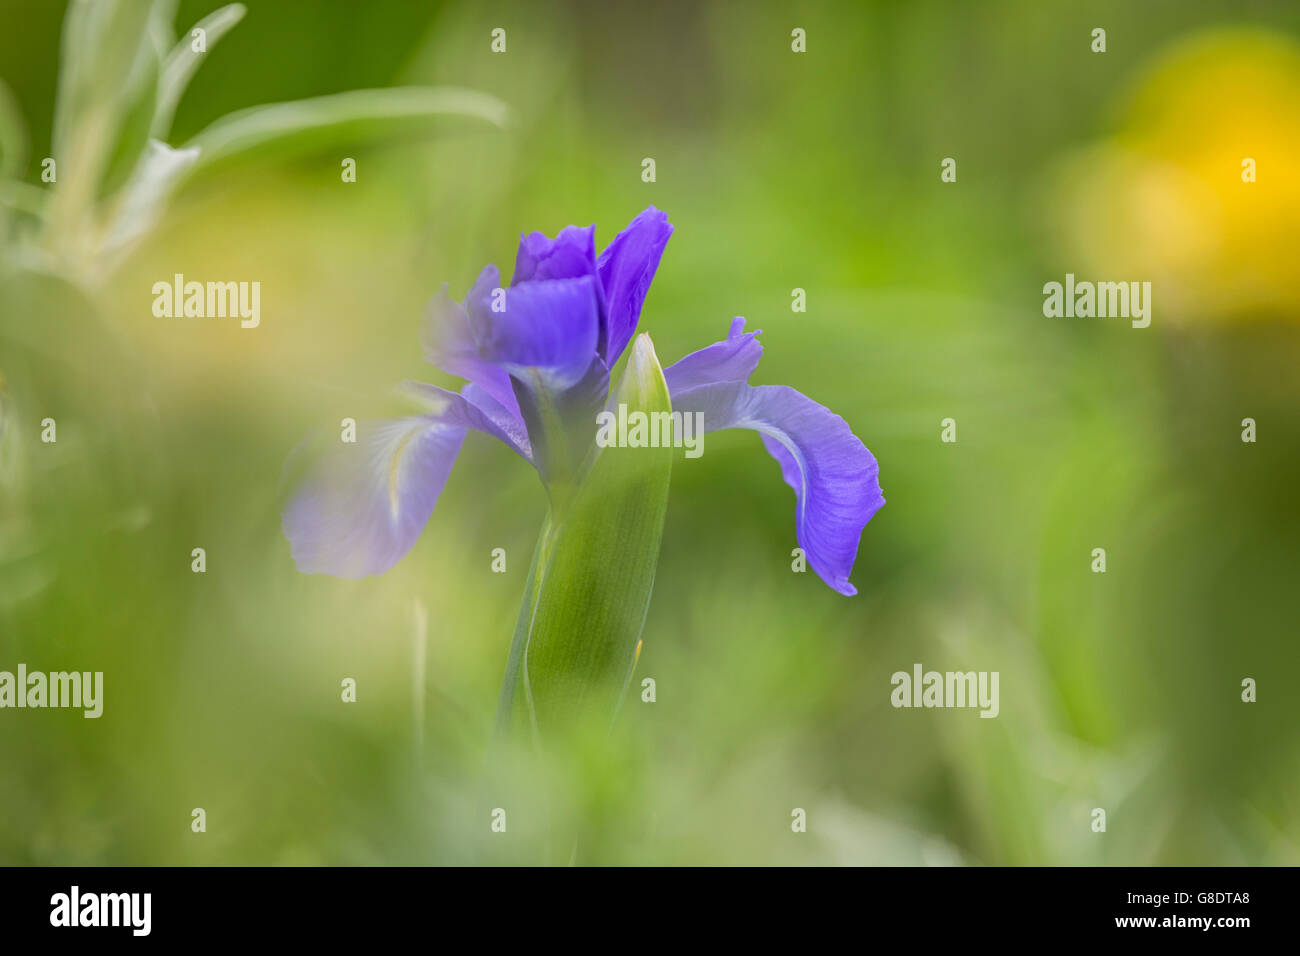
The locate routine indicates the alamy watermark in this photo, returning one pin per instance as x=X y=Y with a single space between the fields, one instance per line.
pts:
x=1126 y=300
x=923 y=688
x=76 y=908
x=638 y=429
x=75 y=689
x=211 y=300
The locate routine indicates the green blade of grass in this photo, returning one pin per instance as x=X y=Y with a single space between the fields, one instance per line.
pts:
x=341 y=117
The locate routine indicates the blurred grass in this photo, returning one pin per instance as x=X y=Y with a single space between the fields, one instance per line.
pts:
x=1118 y=690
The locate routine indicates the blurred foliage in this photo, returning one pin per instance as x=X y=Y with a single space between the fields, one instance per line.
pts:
x=122 y=73
x=820 y=171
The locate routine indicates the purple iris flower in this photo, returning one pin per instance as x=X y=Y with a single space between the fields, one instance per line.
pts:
x=537 y=357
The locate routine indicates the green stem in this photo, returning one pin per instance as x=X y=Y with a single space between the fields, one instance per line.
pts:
x=519 y=644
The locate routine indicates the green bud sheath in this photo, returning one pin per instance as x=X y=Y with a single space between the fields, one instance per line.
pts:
x=596 y=570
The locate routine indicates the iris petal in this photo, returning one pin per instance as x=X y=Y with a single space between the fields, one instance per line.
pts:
x=627 y=266
x=457 y=340
x=361 y=506
x=539 y=331
x=474 y=408
x=834 y=477
x=731 y=360
x=546 y=330
x=570 y=255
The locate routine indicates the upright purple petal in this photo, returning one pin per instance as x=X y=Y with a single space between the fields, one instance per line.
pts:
x=834 y=477
x=627 y=267
x=361 y=506
x=544 y=328
x=456 y=339
x=545 y=332
x=731 y=360
x=570 y=255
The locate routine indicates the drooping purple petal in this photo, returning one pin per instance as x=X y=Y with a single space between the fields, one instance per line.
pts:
x=790 y=473
x=731 y=360
x=473 y=408
x=361 y=506
x=834 y=477
x=627 y=266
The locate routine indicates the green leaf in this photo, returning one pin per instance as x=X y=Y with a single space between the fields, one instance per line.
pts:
x=104 y=58
x=101 y=44
x=341 y=117
x=139 y=101
x=182 y=63
x=108 y=66
x=510 y=685
x=141 y=202
x=599 y=569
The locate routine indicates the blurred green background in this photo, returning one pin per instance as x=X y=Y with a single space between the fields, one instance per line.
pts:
x=779 y=170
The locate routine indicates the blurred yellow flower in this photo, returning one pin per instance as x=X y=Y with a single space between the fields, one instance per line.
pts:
x=1198 y=190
